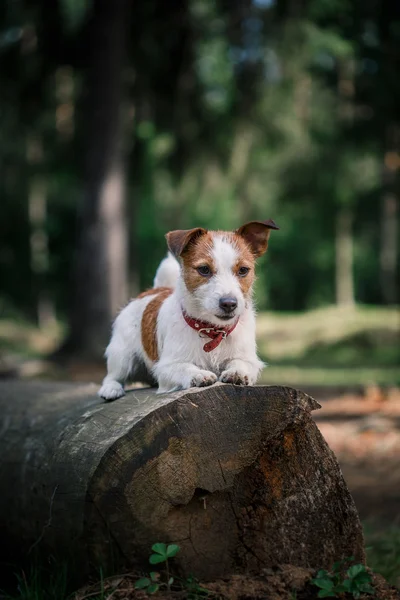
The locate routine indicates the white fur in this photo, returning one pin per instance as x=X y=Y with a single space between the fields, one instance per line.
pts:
x=183 y=363
x=167 y=273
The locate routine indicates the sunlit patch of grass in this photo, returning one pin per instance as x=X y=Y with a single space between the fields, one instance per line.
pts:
x=22 y=338
x=328 y=346
x=322 y=376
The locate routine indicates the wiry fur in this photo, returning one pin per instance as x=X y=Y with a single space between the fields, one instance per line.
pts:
x=182 y=361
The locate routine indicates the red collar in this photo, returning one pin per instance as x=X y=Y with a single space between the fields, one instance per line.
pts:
x=215 y=332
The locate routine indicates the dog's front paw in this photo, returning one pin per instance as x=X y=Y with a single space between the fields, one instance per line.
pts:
x=203 y=378
x=111 y=390
x=235 y=377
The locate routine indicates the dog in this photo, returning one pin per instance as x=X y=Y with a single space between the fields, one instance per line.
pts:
x=197 y=325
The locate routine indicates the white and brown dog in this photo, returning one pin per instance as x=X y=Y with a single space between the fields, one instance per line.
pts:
x=197 y=326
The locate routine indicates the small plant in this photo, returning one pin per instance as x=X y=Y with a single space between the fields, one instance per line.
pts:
x=149 y=584
x=355 y=581
x=193 y=588
x=161 y=554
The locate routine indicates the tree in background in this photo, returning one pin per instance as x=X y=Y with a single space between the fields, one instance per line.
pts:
x=196 y=112
x=101 y=275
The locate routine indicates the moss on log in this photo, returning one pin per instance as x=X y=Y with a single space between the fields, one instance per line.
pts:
x=239 y=477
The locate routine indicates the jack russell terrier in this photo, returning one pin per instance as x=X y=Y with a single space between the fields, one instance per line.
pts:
x=197 y=326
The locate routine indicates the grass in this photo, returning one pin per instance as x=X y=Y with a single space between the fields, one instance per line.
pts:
x=383 y=550
x=322 y=376
x=331 y=346
x=39 y=585
x=22 y=339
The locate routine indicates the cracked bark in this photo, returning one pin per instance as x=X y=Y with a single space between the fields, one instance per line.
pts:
x=240 y=477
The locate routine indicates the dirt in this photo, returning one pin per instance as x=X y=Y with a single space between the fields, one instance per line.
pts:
x=284 y=583
x=363 y=430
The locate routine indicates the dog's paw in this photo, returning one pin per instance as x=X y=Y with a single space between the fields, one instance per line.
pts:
x=111 y=390
x=203 y=378
x=235 y=377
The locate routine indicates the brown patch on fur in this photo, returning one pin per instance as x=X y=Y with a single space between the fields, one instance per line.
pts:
x=154 y=291
x=246 y=259
x=198 y=253
x=149 y=321
x=256 y=234
x=180 y=239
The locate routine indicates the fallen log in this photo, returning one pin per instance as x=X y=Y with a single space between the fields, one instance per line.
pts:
x=239 y=477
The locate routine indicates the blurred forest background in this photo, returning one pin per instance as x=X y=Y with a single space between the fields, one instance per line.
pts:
x=122 y=120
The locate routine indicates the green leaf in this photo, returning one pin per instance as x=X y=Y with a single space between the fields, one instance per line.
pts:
x=363 y=577
x=336 y=579
x=153 y=588
x=322 y=573
x=326 y=594
x=154 y=575
x=355 y=570
x=170 y=581
x=368 y=589
x=325 y=584
x=160 y=549
x=142 y=583
x=344 y=587
x=156 y=558
x=172 y=550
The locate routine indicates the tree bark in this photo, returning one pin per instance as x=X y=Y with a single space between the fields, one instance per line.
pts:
x=389 y=216
x=101 y=270
x=39 y=243
x=344 y=218
x=240 y=478
x=344 y=258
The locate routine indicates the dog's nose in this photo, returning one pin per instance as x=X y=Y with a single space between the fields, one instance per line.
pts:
x=228 y=304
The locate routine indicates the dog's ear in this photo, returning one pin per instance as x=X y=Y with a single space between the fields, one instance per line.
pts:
x=179 y=240
x=256 y=234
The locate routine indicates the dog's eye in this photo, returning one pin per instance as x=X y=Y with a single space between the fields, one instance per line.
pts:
x=243 y=271
x=204 y=270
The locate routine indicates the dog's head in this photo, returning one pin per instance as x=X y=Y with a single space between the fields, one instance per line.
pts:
x=218 y=268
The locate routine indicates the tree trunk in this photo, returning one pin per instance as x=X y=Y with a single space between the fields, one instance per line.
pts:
x=39 y=243
x=239 y=477
x=101 y=272
x=344 y=218
x=389 y=218
x=344 y=258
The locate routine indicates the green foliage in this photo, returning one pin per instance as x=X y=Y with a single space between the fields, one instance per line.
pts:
x=231 y=115
x=156 y=581
x=194 y=589
x=355 y=581
x=161 y=553
x=38 y=584
x=149 y=584
x=383 y=550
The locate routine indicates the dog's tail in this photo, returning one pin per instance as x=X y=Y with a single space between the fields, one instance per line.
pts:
x=167 y=273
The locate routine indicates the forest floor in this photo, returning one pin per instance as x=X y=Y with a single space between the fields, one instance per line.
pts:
x=349 y=360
